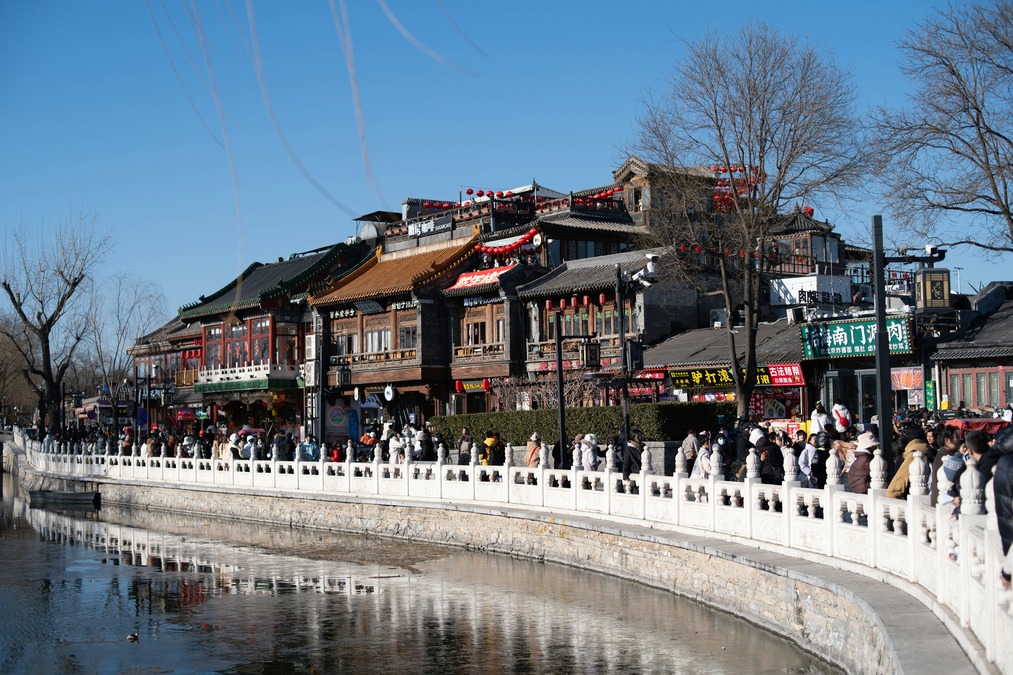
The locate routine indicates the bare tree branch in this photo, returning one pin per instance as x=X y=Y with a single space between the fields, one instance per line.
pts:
x=948 y=158
x=752 y=126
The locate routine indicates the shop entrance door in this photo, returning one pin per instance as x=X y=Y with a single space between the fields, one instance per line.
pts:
x=868 y=394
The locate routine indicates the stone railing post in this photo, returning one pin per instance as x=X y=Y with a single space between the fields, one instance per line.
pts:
x=877 y=470
x=790 y=468
x=680 y=464
x=834 y=467
x=441 y=455
x=576 y=459
x=919 y=473
x=610 y=458
x=972 y=494
x=543 y=456
x=752 y=465
x=647 y=460
x=717 y=463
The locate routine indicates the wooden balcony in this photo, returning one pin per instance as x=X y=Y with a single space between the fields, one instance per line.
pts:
x=469 y=354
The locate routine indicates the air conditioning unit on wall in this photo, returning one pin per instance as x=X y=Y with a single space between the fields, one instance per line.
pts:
x=796 y=315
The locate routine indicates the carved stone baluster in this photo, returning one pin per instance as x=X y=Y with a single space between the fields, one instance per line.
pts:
x=919 y=472
x=752 y=464
x=877 y=470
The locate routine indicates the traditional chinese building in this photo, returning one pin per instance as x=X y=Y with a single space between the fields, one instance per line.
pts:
x=252 y=343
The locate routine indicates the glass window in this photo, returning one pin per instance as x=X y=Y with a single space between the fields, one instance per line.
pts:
x=550 y=327
x=500 y=334
x=981 y=389
x=967 y=389
x=993 y=389
x=476 y=333
x=406 y=337
x=954 y=392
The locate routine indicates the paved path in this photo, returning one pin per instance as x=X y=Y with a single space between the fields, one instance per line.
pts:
x=922 y=641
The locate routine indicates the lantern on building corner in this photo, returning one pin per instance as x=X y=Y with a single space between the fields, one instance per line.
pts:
x=459 y=387
x=486 y=385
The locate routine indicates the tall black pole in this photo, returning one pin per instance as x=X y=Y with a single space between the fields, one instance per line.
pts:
x=624 y=363
x=884 y=402
x=561 y=406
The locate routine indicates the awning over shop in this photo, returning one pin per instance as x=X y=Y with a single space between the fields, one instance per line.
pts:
x=470 y=280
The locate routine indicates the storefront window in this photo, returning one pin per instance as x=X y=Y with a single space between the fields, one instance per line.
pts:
x=378 y=341
x=981 y=389
x=967 y=390
x=993 y=389
x=954 y=392
x=500 y=334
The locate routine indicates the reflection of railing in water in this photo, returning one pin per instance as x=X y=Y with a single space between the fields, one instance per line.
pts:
x=222 y=569
x=956 y=563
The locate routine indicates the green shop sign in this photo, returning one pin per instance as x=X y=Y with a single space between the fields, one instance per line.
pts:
x=853 y=337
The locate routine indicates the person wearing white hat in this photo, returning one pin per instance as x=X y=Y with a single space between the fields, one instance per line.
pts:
x=860 y=473
x=232 y=449
x=533 y=456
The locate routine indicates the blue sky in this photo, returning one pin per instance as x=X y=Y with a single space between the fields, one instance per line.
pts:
x=93 y=119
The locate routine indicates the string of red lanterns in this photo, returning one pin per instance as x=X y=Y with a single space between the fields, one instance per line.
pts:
x=524 y=240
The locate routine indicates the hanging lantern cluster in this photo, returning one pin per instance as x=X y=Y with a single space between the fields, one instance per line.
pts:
x=524 y=240
x=727 y=191
x=440 y=206
x=808 y=211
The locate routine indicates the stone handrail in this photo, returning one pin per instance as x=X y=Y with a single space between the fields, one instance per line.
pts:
x=944 y=562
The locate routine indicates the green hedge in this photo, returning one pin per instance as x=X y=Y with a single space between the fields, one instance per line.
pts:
x=658 y=421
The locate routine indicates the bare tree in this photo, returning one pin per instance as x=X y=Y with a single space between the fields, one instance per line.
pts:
x=751 y=125
x=948 y=157
x=47 y=278
x=125 y=308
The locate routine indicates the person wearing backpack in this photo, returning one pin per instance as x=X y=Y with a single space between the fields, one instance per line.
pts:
x=842 y=416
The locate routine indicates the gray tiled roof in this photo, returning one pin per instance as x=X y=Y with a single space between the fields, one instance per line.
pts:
x=258 y=280
x=588 y=274
x=615 y=221
x=988 y=337
x=800 y=223
x=775 y=343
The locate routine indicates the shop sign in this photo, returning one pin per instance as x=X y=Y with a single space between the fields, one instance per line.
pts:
x=786 y=374
x=775 y=403
x=479 y=278
x=855 y=337
x=429 y=226
x=699 y=378
x=185 y=415
x=369 y=307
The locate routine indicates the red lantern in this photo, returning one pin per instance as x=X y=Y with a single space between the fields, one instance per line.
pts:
x=459 y=387
x=714 y=168
x=548 y=304
x=533 y=231
x=682 y=247
x=426 y=205
x=486 y=385
x=587 y=301
x=481 y=193
x=508 y=193
x=573 y=302
x=562 y=303
x=602 y=299
x=697 y=249
x=469 y=191
x=499 y=194
x=446 y=205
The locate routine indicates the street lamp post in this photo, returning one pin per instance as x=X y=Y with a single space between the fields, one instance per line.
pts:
x=624 y=363
x=884 y=404
x=561 y=403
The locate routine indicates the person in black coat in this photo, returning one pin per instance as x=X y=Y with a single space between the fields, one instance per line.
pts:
x=771 y=460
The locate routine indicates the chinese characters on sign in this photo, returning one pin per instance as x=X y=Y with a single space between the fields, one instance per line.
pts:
x=857 y=337
x=814 y=297
x=786 y=374
x=697 y=378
